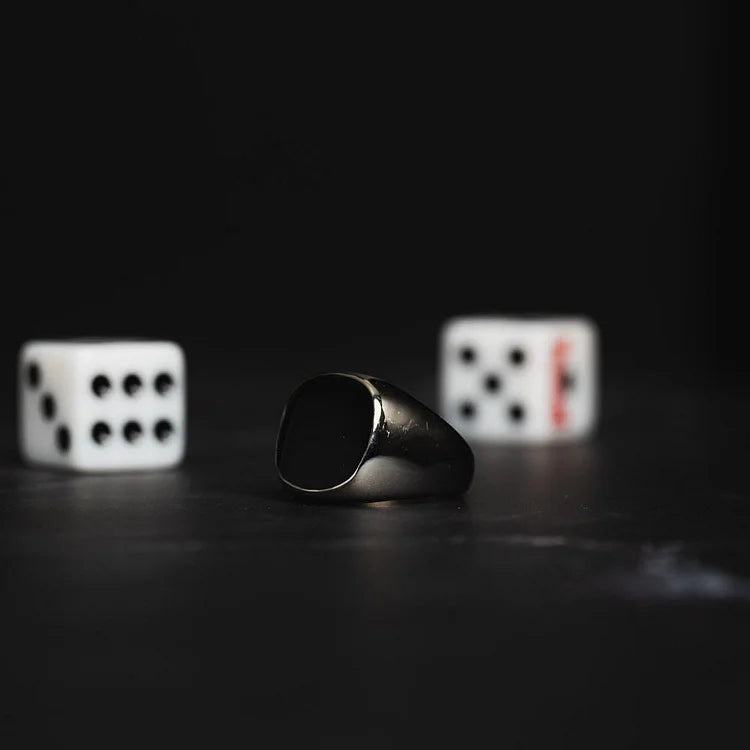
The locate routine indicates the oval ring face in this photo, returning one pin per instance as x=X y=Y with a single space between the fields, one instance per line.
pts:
x=353 y=437
x=325 y=432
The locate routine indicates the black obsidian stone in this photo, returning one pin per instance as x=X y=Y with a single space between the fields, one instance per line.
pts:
x=325 y=432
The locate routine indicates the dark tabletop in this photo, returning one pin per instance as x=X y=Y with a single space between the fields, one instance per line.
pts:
x=596 y=591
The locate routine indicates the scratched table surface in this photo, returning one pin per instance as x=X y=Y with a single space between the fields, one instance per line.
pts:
x=595 y=593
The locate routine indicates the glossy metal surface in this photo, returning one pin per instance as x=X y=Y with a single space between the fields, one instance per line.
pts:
x=407 y=450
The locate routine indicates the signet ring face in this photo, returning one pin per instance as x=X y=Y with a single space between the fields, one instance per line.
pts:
x=345 y=436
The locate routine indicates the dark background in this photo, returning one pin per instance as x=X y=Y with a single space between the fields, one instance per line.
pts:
x=247 y=180
x=293 y=191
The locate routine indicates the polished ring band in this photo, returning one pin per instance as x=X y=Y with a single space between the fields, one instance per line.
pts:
x=345 y=436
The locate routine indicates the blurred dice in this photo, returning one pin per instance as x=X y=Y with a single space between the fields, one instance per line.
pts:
x=519 y=380
x=102 y=404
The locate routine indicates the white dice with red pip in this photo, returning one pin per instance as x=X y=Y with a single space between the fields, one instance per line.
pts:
x=522 y=380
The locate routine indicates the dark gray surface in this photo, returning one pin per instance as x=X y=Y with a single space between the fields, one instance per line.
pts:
x=596 y=592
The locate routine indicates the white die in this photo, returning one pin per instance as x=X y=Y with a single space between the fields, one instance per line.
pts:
x=102 y=404
x=519 y=380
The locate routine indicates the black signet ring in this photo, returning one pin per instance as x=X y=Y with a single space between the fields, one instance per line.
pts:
x=345 y=436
